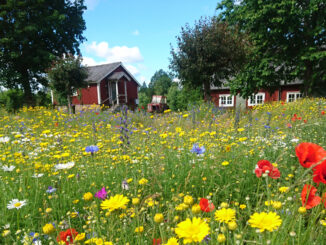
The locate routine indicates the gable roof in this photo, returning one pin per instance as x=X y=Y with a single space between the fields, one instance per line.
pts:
x=97 y=73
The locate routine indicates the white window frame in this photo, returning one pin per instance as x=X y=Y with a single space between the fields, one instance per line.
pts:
x=255 y=99
x=297 y=95
x=226 y=100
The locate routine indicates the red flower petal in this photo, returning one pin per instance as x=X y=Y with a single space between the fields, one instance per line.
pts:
x=205 y=206
x=309 y=154
x=308 y=198
x=275 y=173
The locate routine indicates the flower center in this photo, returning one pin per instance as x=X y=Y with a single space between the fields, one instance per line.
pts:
x=18 y=204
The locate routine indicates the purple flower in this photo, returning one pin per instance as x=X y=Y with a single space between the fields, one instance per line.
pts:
x=197 y=149
x=101 y=194
x=92 y=149
x=51 y=189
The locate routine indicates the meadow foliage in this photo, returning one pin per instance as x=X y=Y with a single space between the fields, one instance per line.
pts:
x=194 y=177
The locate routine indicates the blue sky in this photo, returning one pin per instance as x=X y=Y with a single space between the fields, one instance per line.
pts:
x=138 y=32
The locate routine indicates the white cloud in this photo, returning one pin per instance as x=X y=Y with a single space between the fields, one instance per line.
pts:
x=135 y=33
x=116 y=53
x=89 y=61
x=132 y=69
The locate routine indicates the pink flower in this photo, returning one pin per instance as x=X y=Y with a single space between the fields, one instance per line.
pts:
x=101 y=194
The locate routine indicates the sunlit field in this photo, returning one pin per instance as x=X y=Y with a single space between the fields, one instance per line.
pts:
x=195 y=177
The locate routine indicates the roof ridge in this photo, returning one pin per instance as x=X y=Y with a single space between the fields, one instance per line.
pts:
x=119 y=62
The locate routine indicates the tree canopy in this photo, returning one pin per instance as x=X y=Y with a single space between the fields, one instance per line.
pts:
x=160 y=83
x=67 y=75
x=32 y=33
x=288 y=42
x=208 y=53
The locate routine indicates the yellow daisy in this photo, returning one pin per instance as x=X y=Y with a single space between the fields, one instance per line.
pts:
x=193 y=230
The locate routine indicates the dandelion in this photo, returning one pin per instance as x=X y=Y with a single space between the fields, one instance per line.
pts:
x=139 y=229
x=158 y=218
x=143 y=181
x=15 y=203
x=88 y=196
x=225 y=215
x=48 y=229
x=284 y=189
x=265 y=221
x=194 y=230
x=115 y=202
x=221 y=238
x=172 y=241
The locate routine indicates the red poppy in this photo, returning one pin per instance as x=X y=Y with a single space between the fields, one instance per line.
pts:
x=157 y=241
x=56 y=124
x=324 y=199
x=265 y=165
x=309 y=154
x=323 y=112
x=275 y=173
x=308 y=198
x=205 y=205
x=67 y=236
x=320 y=173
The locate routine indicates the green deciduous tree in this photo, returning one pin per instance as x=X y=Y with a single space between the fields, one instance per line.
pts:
x=67 y=76
x=207 y=54
x=288 y=40
x=160 y=83
x=32 y=33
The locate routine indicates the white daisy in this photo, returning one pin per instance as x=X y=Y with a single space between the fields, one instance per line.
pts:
x=67 y=165
x=37 y=175
x=4 y=139
x=8 y=168
x=15 y=203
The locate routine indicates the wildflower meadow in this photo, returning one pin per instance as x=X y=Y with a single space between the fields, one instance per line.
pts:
x=205 y=176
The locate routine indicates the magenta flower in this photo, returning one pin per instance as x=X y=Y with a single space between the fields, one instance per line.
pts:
x=101 y=194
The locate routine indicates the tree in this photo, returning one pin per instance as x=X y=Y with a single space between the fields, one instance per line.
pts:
x=288 y=42
x=67 y=76
x=182 y=98
x=208 y=53
x=160 y=83
x=32 y=33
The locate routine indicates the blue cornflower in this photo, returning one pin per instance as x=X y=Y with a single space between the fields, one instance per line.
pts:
x=197 y=149
x=91 y=149
x=51 y=189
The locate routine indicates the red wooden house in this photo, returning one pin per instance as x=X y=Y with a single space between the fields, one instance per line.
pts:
x=108 y=84
x=286 y=92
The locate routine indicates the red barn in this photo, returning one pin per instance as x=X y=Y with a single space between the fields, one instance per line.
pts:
x=222 y=97
x=108 y=84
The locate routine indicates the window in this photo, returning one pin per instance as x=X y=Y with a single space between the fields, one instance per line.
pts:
x=257 y=99
x=226 y=100
x=293 y=96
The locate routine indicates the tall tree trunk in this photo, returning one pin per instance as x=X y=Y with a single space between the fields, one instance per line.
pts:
x=207 y=91
x=29 y=100
x=308 y=83
x=69 y=104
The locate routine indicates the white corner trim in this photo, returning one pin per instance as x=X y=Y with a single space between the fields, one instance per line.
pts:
x=99 y=93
